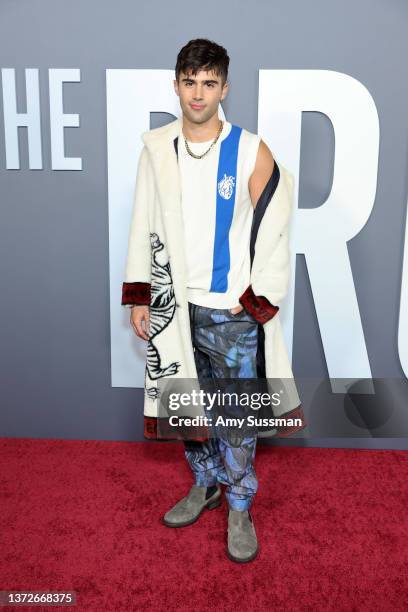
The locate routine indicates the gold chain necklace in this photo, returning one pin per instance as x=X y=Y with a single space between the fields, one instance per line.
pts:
x=190 y=152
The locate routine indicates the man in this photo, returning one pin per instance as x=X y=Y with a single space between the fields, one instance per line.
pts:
x=214 y=178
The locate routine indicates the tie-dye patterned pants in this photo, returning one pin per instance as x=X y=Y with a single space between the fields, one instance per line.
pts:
x=225 y=346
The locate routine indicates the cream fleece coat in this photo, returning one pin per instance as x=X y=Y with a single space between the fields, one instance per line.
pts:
x=155 y=261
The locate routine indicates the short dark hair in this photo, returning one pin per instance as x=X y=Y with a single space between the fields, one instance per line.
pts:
x=203 y=54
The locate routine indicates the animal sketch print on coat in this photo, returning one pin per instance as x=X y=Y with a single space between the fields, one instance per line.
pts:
x=162 y=309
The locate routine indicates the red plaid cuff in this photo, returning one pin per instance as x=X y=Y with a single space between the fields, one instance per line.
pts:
x=258 y=305
x=136 y=293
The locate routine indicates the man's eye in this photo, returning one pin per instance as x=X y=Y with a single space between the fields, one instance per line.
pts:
x=210 y=84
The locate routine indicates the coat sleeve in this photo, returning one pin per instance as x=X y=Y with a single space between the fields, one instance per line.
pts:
x=137 y=280
x=270 y=272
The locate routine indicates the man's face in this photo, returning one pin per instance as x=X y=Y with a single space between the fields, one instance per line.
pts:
x=200 y=94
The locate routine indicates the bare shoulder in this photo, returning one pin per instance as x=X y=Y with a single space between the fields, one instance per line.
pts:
x=264 y=159
x=262 y=172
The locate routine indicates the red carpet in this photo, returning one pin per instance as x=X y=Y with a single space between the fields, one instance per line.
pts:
x=84 y=516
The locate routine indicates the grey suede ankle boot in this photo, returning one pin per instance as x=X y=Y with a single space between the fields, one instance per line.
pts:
x=188 y=509
x=242 y=540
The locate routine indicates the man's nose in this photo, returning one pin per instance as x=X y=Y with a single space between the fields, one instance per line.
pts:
x=198 y=92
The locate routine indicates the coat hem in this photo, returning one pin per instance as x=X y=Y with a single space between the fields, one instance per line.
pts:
x=151 y=427
x=296 y=413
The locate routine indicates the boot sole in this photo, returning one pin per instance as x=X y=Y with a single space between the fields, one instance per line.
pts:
x=210 y=506
x=246 y=560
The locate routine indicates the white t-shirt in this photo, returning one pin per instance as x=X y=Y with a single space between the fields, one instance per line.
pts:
x=217 y=215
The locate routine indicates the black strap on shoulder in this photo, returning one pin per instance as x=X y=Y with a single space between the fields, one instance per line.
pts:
x=262 y=205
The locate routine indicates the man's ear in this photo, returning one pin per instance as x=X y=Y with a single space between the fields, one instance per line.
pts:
x=224 y=91
x=175 y=83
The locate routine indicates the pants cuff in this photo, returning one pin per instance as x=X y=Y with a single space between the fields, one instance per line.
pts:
x=204 y=482
x=240 y=505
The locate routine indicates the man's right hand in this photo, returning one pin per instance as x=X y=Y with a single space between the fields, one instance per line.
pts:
x=140 y=319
